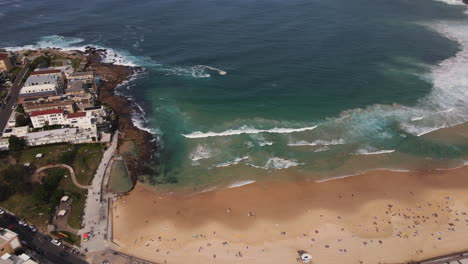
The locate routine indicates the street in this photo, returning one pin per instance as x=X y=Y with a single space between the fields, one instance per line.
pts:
x=15 y=89
x=44 y=251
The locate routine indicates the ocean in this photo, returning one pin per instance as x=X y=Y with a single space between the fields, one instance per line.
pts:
x=242 y=91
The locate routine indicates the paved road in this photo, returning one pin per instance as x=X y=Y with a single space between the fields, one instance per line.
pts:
x=5 y=113
x=44 y=251
x=72 y=173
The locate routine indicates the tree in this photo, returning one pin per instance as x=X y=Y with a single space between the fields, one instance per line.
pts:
x=17 y=178
x=16 y=144
x=22 y=120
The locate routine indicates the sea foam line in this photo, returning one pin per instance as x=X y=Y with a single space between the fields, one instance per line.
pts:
x=241 y=183
x=317 y=143
x=366 y=152
x=246 y=130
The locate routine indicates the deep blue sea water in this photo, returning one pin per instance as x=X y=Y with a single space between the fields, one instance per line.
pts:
x=311 y=86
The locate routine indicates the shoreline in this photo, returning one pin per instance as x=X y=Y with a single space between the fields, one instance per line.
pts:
x=370 y=216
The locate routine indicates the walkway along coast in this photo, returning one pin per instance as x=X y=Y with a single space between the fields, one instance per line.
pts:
x=95 y=218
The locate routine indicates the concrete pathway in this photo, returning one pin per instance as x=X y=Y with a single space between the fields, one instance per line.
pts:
x=457 y=258
x=72 y=173
x=96 y=209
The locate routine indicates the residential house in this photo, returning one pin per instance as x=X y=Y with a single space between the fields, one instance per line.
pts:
x=9 y=241
x=16 y=131
x=67 y=106
x=5 y=64
x=41 y=85
x=77 y=88
x=81 y=76
x=13 y=259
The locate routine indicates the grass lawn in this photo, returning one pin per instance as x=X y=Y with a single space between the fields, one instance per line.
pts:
x=51 y=154
x=85 y=163
x=76 y=214
x=26 y=207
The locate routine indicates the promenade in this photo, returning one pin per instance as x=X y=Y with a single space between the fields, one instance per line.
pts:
x=95 y=218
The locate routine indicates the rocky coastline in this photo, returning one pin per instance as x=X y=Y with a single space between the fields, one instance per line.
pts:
x=111 y=76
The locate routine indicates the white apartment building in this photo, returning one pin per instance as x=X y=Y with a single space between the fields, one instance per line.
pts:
x=47 y=117
x=68 y=135
x=43 y=83
x=80 y=119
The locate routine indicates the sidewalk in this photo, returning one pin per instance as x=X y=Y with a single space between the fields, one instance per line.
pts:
x=96 y=207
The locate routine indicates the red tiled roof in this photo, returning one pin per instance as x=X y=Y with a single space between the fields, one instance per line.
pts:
x=45 y=72
x=3 y=56
x=46 y=112
x=74 y=115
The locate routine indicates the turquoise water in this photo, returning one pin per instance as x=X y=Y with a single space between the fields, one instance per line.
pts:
x=309 y=86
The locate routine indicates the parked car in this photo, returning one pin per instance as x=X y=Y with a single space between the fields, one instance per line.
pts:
x=22 y=223
x=65 y=247
x=1 y=212
x=33 y=229
x=56 y=242
x=10 y=226
x=47 y=238
x=75 y=251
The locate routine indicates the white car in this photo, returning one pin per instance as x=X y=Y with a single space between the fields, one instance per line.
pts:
x=22 y=223
x=1 y=212
x=56 y=242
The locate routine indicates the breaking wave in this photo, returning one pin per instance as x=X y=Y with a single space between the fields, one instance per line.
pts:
x=200 y=152
x=246 y=130
x=377 y=152
x=317 y=143
x=234 y=162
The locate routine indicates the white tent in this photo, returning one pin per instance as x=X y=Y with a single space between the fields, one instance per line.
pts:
x=64 y=199
x=62 y=212
x=39 y=155
x=306 y=258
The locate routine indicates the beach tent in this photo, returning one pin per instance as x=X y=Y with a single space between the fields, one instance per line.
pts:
x=62 y=212
x=306 y=258
x=39 y=155
x=64 y=199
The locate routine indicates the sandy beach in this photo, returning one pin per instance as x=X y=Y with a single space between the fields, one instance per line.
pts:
x=377 y=217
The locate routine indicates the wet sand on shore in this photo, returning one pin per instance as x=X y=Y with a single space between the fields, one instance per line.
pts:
x=376 y=217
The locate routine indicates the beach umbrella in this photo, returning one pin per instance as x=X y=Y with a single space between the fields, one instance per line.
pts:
x=306 y=258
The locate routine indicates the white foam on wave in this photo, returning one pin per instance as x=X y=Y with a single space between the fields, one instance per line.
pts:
x=280 y=163
x=193 y=71
x=241 y=183
x=246 y=130
x=199 y=153
x=234 y=162
x=221 y=72
x=452 y=2
x=416 y=118
x=320 y=149
x=317 y=143
x=71 y=43
x=376 y=152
